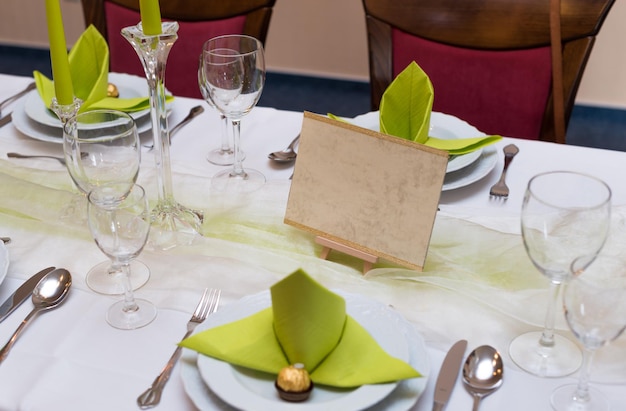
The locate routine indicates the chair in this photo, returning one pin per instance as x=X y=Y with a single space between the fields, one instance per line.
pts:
x=489 y=60
x=199 y=20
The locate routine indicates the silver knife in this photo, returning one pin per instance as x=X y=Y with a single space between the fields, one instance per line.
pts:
x=22 y=293
x=448 y=374
x=5 y=120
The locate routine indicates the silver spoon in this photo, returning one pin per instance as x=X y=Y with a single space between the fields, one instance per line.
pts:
x=286 y=155
x=482 y=373
x=49 y=293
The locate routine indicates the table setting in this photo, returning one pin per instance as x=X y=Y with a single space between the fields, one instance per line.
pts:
x=377 y=340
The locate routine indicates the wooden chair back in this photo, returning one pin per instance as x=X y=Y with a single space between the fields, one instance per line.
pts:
x=489 y=60
x=199 y=20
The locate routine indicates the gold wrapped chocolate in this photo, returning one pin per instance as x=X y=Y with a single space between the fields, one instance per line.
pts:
x=112 y=90
x=293 y=383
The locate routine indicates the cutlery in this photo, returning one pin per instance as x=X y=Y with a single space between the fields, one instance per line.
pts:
x=500 y=189
x=195 y=111
x=18 y=155
x=21 y=294
x=208 y=304
x=482 y=373
x=448 y=373
x=5 y=240
x=5 y=120
x=286 y=155
x=50 y=291
x=28 y=88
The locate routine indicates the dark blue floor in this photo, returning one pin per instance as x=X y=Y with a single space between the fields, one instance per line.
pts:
x=589 y=126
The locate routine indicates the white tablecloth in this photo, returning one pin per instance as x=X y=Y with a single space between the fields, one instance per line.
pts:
x=70 y=359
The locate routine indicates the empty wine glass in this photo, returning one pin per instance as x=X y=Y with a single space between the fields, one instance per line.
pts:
x=595 y=310
x=565 y=215
x=119 y=220
x=224 y=154
x=102 y=146
x=234 y=71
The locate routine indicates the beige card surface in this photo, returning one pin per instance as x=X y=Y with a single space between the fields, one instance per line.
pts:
x=369 y=191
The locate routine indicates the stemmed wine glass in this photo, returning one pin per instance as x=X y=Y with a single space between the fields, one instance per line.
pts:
x=595 y=310
x=223 y=155
x=234 y=71
x=565 y=215
x=102 y=146
x=119 y=219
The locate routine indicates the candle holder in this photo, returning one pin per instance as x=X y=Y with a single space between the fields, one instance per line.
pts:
x=172 y=223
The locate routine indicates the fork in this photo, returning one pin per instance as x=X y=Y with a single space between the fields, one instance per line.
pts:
x=500 y=189
x=208 y=304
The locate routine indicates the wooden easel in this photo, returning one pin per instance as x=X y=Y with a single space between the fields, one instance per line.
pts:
x=368 y=259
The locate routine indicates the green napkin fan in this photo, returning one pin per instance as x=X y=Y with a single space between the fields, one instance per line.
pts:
x=306 y=324
x=89 y=68
x=405 y=109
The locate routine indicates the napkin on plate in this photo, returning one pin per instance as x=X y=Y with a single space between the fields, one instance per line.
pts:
x=89 y=67
x=306 y=324
x=405 y=109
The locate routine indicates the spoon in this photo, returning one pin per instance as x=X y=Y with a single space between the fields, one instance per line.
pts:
x=286 y=155
x=49 y=293
x=482 y=373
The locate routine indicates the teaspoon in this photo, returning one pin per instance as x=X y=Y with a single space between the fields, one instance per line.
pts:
x=49 y=293
x=286 y=155
x=482 y=373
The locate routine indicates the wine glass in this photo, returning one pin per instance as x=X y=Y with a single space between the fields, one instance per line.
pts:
x=119 y=220
x=234 y=71
x=223 y=155
x=100 y=147
x=595 y=310
x=565 y=215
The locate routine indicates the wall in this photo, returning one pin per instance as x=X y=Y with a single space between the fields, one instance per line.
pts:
x=326 y=38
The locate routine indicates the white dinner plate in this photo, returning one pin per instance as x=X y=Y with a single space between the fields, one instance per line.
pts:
x=4 y=261
x=212 y=384
x=129 y=86
x=442 y=126
x=472 y=173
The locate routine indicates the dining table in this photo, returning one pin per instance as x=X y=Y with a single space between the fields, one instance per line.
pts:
x=477 y=284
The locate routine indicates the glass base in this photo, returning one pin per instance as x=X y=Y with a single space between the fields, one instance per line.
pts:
x=221 y=157
x=131 y=320
x=103 y=281
x=250 y=180
x=562 y=359
x=562 y=399
x=174 y=225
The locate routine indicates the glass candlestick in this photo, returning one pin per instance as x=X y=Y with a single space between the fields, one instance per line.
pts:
x=172 y=223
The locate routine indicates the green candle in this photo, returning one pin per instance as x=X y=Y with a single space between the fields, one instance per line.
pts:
x=150 y=17
x=58 y=54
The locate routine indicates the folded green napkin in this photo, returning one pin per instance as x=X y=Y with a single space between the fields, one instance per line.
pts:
x=405 y=109
x=89 y=67
x=306 y=324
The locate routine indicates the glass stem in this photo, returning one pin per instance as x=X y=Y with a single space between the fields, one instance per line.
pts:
x=129 y=299
x=547 y=336
x=237 y=163
x=582 y=390
x=225 y=138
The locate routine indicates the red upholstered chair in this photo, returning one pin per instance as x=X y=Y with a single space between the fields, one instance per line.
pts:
x=199 y=20
x=489 y=60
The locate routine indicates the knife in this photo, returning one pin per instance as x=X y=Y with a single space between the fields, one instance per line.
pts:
x=5 y=120
x=22 y=293
x=448 y=374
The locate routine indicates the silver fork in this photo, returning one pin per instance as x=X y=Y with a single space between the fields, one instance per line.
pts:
x=500 y=189
x=208 y=304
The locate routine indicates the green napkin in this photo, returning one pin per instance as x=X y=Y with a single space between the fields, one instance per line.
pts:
x=89 y=67
x=405 y=109
x=306 y=324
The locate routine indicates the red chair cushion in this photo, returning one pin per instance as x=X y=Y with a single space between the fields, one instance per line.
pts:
x=181 y=74
x=498 y=92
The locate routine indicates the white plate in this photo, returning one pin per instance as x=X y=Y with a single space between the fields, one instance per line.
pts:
x=474 y=172
x=4 y=261
x=442 y=126
x=250 y=390
x=129 y=86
